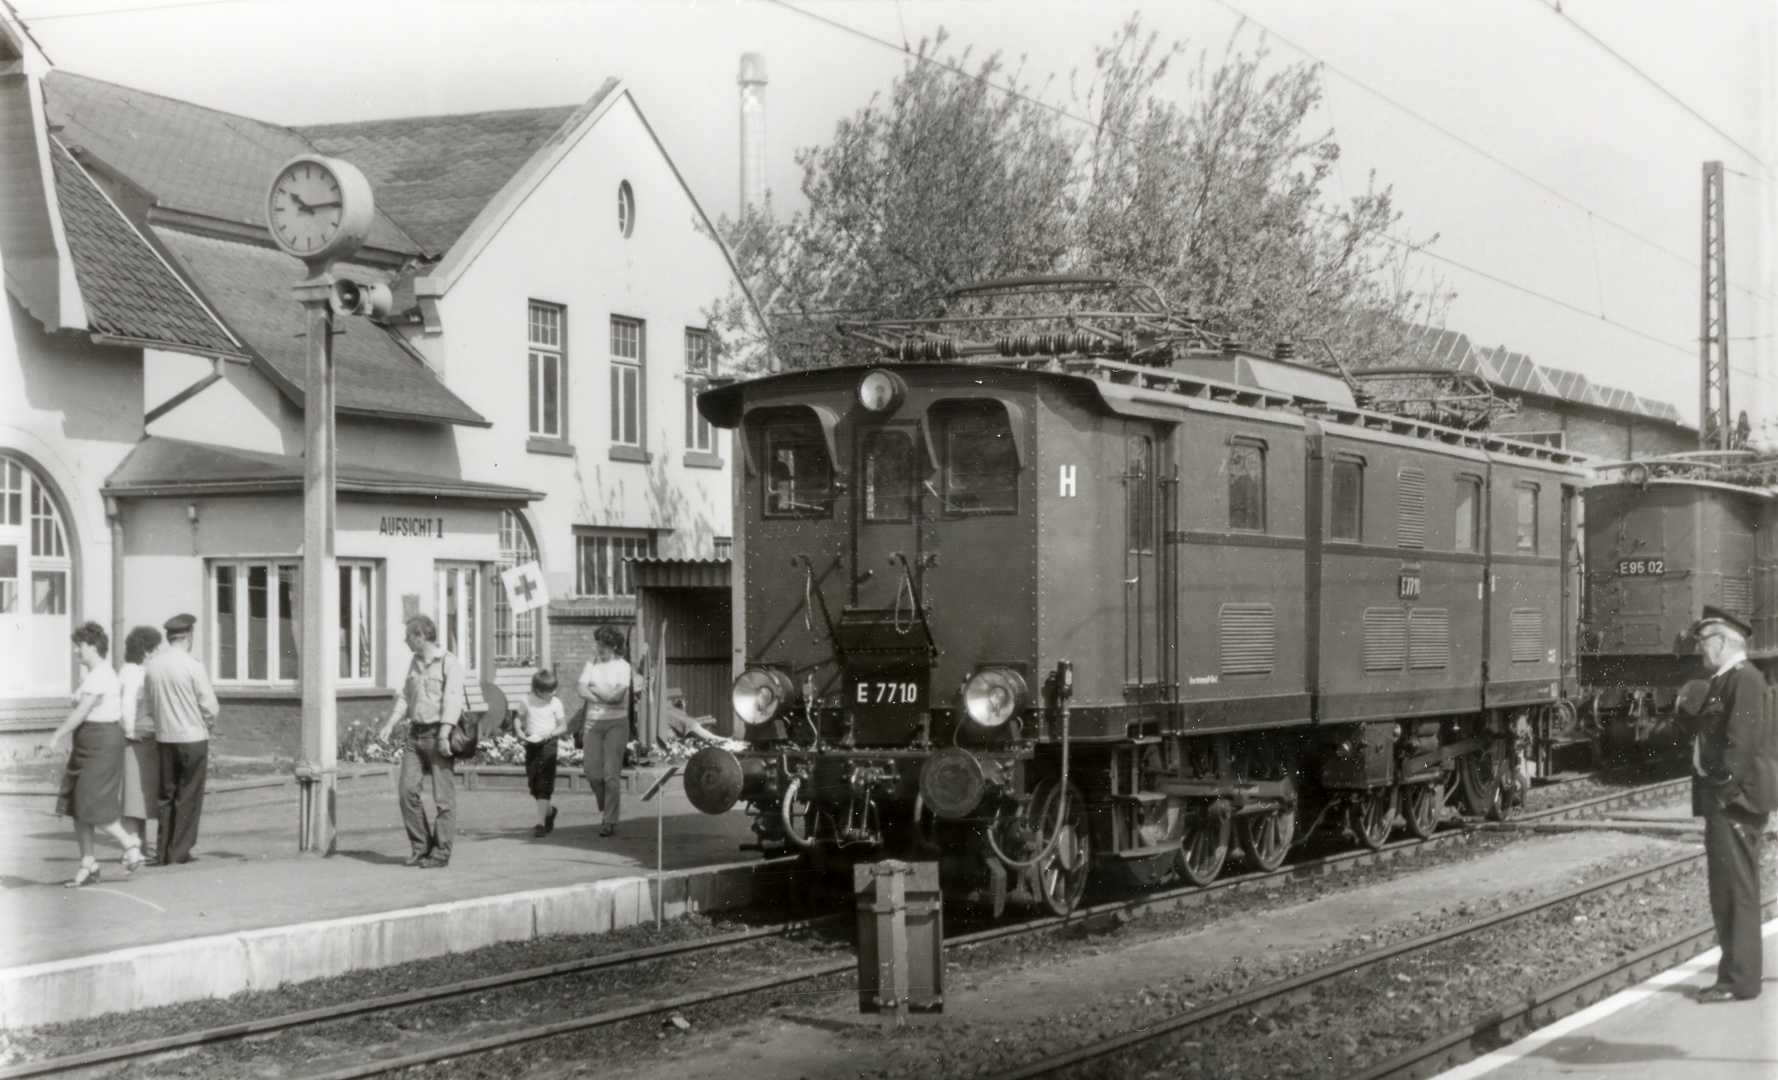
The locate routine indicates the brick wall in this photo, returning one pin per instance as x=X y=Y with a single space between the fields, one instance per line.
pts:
x=272 y=728
x=571 y=646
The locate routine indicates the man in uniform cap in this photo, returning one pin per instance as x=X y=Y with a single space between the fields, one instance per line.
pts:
x=185 y=708
x=1734 y=767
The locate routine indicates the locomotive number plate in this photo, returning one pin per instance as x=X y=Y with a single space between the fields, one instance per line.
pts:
x=1641 y=567
x=885 y=692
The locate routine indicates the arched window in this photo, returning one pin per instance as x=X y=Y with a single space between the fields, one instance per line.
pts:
x=36 y=584
x=516 y=640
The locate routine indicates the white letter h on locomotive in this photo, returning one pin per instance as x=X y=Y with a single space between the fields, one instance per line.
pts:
x=1067 y=479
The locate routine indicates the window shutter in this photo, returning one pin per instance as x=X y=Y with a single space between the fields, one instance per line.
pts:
x=1410 y=509
x=1249 y=639
x=1527 y=645
x=1429 y=639
x=1385 y=639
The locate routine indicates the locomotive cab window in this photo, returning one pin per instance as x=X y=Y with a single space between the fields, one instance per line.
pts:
x=1469 y=517
x=1527 y=534
x=889 y=474
x=1346 y=504
x=798 y=468
x=980 y=459
x=1247 y=486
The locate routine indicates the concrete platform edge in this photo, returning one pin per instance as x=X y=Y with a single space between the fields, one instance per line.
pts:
x=212 y=967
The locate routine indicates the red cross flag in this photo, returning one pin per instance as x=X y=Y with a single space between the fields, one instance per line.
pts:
x=524 y=587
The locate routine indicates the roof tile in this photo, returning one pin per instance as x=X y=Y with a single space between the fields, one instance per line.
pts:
x=129 y=291
x=433 y=174
x=377 y=375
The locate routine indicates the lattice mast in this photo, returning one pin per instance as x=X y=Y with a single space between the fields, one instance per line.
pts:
x=1716 y=425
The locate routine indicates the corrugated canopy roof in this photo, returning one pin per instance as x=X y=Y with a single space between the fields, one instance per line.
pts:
x=130 y=293
x=433 y=174
x=162 y=466
x=377 y=376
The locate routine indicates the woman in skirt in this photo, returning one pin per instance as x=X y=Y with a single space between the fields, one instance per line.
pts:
x=141 y=761
x=92 y=788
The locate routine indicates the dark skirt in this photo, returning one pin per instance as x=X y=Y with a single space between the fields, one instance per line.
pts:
x=92 y=788
x=141 y=778
x=540 y=769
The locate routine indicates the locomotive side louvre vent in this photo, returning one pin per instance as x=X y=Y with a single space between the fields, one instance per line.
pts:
x=1410 y=509
x=1429 y=639
x=1527 y=645
x=1249 y=639
x=1737 y=596
x=1385 y=639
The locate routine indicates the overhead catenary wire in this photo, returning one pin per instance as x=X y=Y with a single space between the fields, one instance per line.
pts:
x=1077 y=118
x=1473 y=148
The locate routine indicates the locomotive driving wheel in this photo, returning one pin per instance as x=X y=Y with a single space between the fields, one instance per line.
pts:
x=1420 y=804
x=1203 y=848
x=1062 y=873
x=1373 y=817
x=1266 y=837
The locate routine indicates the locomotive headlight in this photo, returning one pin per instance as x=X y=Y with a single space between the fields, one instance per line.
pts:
x=881 y=391
x=761 y=694
x=993 y=695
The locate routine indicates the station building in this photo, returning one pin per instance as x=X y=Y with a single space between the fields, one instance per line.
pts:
x=526 y=400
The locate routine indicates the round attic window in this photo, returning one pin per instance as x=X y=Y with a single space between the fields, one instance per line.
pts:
x=626 y=208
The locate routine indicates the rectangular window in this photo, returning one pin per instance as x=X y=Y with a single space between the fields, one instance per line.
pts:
x=459 y=598
x=889 y=475
x=358 y=622
x=698 y=435
x=1527 y=496
x=1410 y=509
x=1247 y=487
x=626 y=382
x=601 y=568
x=724 y=545
x=12 y=492
x=546 y=365
x=1469 y=519
x=1346 y=509
x=49 y=592
x=9 y=575
x=799 y=472
x=981 y=462
x=254 y=608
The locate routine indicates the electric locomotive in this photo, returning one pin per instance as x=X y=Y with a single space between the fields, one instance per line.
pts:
x=1664 y=538
x=1115 y=594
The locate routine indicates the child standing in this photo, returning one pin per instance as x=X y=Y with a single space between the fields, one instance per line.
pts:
x=540 y=722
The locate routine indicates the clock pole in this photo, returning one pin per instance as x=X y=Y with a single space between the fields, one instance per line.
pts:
x=318 y=771
x=319 y=210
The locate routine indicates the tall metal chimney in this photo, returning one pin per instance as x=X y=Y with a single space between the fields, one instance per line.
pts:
x=753 y=130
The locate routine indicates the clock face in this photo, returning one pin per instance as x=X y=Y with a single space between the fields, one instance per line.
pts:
x=319 y=209
x=307 y=207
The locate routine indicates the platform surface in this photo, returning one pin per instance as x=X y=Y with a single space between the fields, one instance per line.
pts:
x=248 y=874
x=1655 y=1031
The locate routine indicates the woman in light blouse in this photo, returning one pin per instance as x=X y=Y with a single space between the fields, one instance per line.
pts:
x=605 y=683
x=141 y=761
x=92 y=788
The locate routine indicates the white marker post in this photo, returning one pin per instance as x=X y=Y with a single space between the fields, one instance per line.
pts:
x=660 y=843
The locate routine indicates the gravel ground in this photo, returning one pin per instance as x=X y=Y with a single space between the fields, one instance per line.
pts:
x=56 y=1040
x=1550 y=796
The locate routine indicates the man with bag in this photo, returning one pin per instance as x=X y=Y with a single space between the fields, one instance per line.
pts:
x=431 y=701
x=1734 y=788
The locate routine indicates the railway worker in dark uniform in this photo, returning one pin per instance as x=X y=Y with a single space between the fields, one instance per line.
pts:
x=1734 y=776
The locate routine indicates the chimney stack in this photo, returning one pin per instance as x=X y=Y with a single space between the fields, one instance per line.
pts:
x=753 y=130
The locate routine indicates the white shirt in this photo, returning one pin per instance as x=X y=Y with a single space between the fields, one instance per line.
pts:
x=536 y=722
x=138 y=723
x=605 y=680
x=101 y=682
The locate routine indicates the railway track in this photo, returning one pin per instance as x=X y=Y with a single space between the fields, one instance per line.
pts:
x=1455 y=1046
x=1121 y=909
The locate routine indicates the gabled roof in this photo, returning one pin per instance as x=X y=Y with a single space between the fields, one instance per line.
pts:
x=188 y=158
x=131 y=295
x=377 y=375
x=163 y=466
x=433 y=174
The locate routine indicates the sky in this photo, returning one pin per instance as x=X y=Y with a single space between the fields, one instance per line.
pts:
x=1554 y=148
